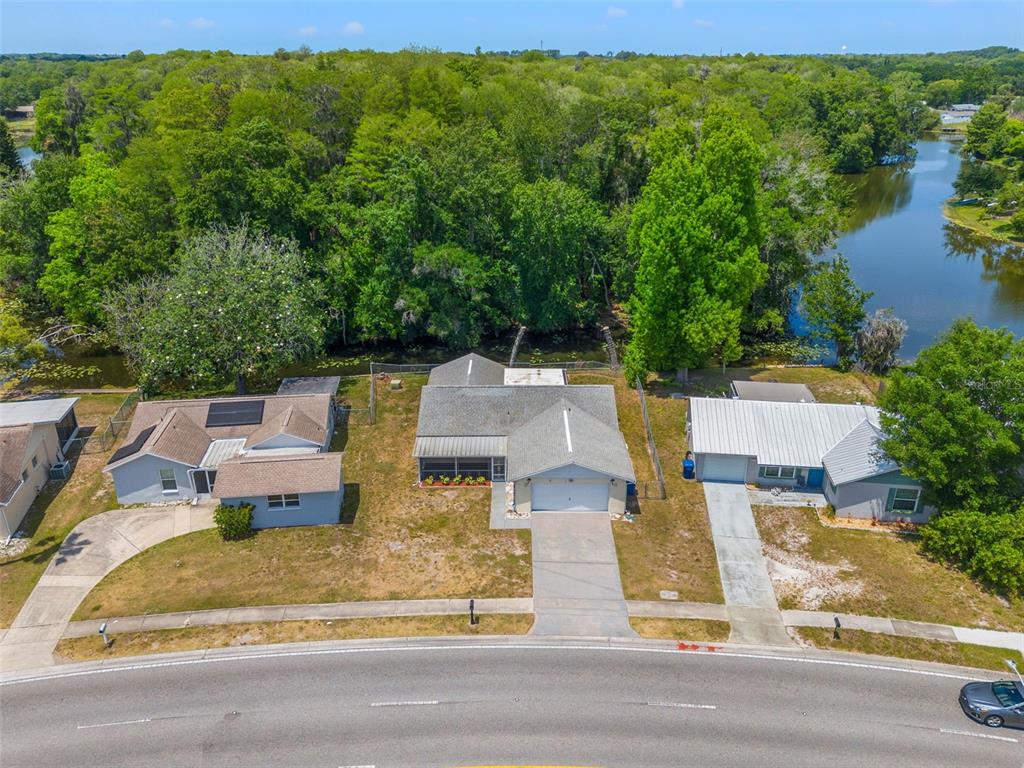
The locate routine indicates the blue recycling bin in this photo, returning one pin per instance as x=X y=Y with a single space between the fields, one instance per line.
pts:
x=689 y=469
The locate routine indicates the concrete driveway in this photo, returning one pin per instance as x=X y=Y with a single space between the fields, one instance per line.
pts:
x=749 y=596
x=576 y=585
x=93 y=549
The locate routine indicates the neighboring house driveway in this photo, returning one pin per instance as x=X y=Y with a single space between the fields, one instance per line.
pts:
x=576 y=585
x=92 y=550
x=749 y=597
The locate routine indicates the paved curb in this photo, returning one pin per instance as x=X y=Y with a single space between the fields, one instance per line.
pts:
x=794 y=655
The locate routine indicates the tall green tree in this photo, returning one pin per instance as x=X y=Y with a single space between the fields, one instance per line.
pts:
x=696 y=230
x=833 y=306
x=238 y=304
x=953 y=418
x=9 y=160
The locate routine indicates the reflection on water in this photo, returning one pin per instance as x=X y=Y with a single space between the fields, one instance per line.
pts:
x=929 y=271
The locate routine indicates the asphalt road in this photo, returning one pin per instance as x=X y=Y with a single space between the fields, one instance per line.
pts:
x=457 y=706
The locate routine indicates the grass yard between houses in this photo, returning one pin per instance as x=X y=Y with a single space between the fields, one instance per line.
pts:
x=58 y=508
x=669 y=545
x=872 y=573
x=828 y=385
x=403 y=542
x=261 y=633
x=961 y=654
x=694 y=630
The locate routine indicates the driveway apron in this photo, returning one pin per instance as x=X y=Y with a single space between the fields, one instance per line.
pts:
x=749 y=596
x=93 y=549
x=576 y=585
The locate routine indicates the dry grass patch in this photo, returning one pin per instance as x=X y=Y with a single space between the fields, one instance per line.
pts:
x=403 y=542
x=960 y=654
x=59 y=508
x=694 y=630
x=827 y=384
x=669 y=544
x=262 y=633
x=872 y=573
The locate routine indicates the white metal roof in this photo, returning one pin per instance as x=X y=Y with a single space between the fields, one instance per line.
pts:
x=534 y=376
x=779 y=392
x=460 y=446
x=858 y=456
x=786 y=434
x=222 y=450
x=35 y=411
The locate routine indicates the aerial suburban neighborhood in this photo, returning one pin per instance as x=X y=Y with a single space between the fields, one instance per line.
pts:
x=381 y=388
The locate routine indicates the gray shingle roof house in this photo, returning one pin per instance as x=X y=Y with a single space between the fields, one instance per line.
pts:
x=268 y=451
x=559 y=444
x=34 y=435
x=817 y=446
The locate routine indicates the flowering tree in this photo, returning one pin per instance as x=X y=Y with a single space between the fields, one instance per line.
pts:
x=239 y=303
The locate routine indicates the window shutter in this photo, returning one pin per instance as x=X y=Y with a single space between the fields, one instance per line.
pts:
x=890 y=500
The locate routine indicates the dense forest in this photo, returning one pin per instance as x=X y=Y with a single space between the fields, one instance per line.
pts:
x=448 y=196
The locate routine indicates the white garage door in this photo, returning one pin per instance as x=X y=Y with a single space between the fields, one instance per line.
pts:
x=725 y=469
x=566 y=496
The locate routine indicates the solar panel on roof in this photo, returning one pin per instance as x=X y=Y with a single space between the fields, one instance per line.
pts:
x=234 y=413
x=134 y=446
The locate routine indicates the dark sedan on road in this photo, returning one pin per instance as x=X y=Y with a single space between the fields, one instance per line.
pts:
x=994 y=704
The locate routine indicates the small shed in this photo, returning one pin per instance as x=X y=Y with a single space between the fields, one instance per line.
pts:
x=310 y=385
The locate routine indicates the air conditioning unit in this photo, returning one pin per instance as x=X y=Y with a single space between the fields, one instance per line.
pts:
x=60 y=470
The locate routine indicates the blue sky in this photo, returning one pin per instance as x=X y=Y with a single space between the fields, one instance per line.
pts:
x=663 y=26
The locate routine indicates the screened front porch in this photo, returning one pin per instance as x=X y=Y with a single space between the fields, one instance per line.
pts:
x=492 y=468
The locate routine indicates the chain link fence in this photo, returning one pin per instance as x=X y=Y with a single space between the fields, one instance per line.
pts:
x=650 y=489
x=102 y=440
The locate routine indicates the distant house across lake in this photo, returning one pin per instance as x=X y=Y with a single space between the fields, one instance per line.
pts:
x=20 y=113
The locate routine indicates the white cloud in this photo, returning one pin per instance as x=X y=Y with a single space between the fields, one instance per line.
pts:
x=677 y=3
x=353 y=28
x=201 y=23
x=615 y=13
x=307 y=31
x=166 y=24
x=703 y=23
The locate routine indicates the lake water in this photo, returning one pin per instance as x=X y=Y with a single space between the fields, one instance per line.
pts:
x=929 y=271
x=27 y=155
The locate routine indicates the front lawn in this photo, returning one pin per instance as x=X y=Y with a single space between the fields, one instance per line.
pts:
x=668 y=546
x=403 y=542
x=260 y=633
x=60 y=507
x=872 y=573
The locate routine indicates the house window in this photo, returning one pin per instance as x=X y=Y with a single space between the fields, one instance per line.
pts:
x=168 y=481
x=35 y=461
x=498 y=468
x=904 y=500
x=778 y=473
x=283 y=501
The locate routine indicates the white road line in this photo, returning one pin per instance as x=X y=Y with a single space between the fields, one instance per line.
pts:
x=403 y=703
x=119 y=722
x=475 y=647
x=680 y=705
x=367 y=765
x=979 y=735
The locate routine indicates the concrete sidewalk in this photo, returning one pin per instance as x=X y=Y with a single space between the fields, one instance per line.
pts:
x=749 y=595
x=92 y=550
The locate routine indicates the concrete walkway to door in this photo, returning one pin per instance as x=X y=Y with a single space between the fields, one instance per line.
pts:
x=576 y=585
x=93 y=549
x=749 y=596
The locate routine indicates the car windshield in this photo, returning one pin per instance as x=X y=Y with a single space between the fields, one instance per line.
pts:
x=1008 y=693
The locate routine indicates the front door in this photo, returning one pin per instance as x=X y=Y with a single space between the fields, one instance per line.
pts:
x=815 y=477
x=203 y=480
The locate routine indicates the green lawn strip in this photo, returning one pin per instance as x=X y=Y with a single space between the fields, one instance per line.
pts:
x=404 y=542
x=879 y=574
x=974 y=218
x=694 y=630
x=58 y=508
x=960 y=654
x=260 y=633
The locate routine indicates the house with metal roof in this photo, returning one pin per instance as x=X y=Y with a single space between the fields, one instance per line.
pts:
x=835 y=449
x=271 y=452
x=35 y=436
x=774 y=391
x=558 y=445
